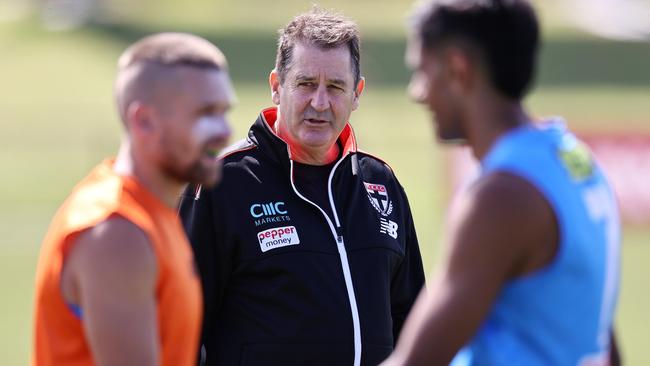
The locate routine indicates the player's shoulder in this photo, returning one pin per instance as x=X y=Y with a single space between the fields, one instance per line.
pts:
x=116 y=232
x=117 y=241
x=507 y=215
x=507 y=195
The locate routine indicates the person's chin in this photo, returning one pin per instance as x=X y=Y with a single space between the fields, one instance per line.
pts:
x=205 y=171
x=447 y=137
x=211 y=180
x=317 y=140
x=451 y=139
x=206 y=176
x=211 y=174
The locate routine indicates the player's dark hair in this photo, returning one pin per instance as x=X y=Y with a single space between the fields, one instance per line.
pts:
x=504 y=32
x=321 y=28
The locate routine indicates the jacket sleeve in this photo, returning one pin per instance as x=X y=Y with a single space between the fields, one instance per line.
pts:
x=408 y=279
x=200 y=218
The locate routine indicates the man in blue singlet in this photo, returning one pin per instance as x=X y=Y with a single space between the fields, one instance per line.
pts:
x=531 y=274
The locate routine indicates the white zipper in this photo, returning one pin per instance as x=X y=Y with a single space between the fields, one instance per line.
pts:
x=343 y=256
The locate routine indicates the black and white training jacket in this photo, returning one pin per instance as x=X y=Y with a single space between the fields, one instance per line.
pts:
x=285 y=284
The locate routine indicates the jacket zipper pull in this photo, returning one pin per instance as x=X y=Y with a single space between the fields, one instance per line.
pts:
x=339 y=235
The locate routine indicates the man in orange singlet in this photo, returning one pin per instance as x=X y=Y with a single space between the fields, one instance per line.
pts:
x=115 y=282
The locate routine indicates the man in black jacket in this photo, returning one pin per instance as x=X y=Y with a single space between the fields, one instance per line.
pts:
x=307 y=249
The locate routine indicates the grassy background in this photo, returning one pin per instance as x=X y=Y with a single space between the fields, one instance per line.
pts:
x=57 y=120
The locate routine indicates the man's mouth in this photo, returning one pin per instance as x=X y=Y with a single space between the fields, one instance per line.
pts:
x=212 y=152
x=213 y=149
x=315 y=121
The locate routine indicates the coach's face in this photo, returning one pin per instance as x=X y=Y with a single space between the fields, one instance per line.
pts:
x=193 y=124
x=316 y=97
x=432 y=84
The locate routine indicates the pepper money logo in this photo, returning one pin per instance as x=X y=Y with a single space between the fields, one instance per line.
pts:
x=267 y=213
x=278 y=237
x=378 y=196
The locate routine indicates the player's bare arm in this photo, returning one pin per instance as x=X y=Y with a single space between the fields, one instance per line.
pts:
x=116 y=293
x=502 y=228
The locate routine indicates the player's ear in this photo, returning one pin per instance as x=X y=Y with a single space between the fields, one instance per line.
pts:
x=357 y=92
x=274 y=83
x=139 y=119
x=460 y=71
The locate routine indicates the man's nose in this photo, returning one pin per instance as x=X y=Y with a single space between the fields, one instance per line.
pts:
x=417 y=89
x=320 y=99
x=226 y=129
x=220 y=128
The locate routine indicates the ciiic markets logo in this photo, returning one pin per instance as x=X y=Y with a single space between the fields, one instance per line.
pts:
x=378 y=196
x=278 y=237
x=269 y=213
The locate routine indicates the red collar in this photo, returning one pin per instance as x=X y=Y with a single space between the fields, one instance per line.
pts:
x=346 y=138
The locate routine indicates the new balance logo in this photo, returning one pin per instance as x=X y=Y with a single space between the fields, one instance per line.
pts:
x=388 y=227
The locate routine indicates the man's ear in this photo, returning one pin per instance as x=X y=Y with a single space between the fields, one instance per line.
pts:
x=461 y=71
x=139 y=119
x=274 y=83
x=357 y=92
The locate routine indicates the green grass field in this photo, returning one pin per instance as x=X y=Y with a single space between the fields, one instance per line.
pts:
x=57 y=121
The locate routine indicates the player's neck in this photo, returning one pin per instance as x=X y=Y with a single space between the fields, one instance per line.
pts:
x=489 y=119
x=129 y=163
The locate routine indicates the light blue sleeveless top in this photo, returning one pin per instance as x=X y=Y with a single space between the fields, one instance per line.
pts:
x=561 y=314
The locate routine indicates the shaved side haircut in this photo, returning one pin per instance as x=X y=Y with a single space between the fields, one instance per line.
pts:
x=146 y=69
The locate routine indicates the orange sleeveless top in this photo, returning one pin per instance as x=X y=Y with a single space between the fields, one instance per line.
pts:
x=58 y=334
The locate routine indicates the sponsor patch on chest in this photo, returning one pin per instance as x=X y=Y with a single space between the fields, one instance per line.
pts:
x=278 y=237
x=269 y=213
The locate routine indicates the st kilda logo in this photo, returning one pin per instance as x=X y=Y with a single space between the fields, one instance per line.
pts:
x=378 y=196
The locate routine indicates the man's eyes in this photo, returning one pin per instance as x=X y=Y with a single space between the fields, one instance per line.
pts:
x=310 y=84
